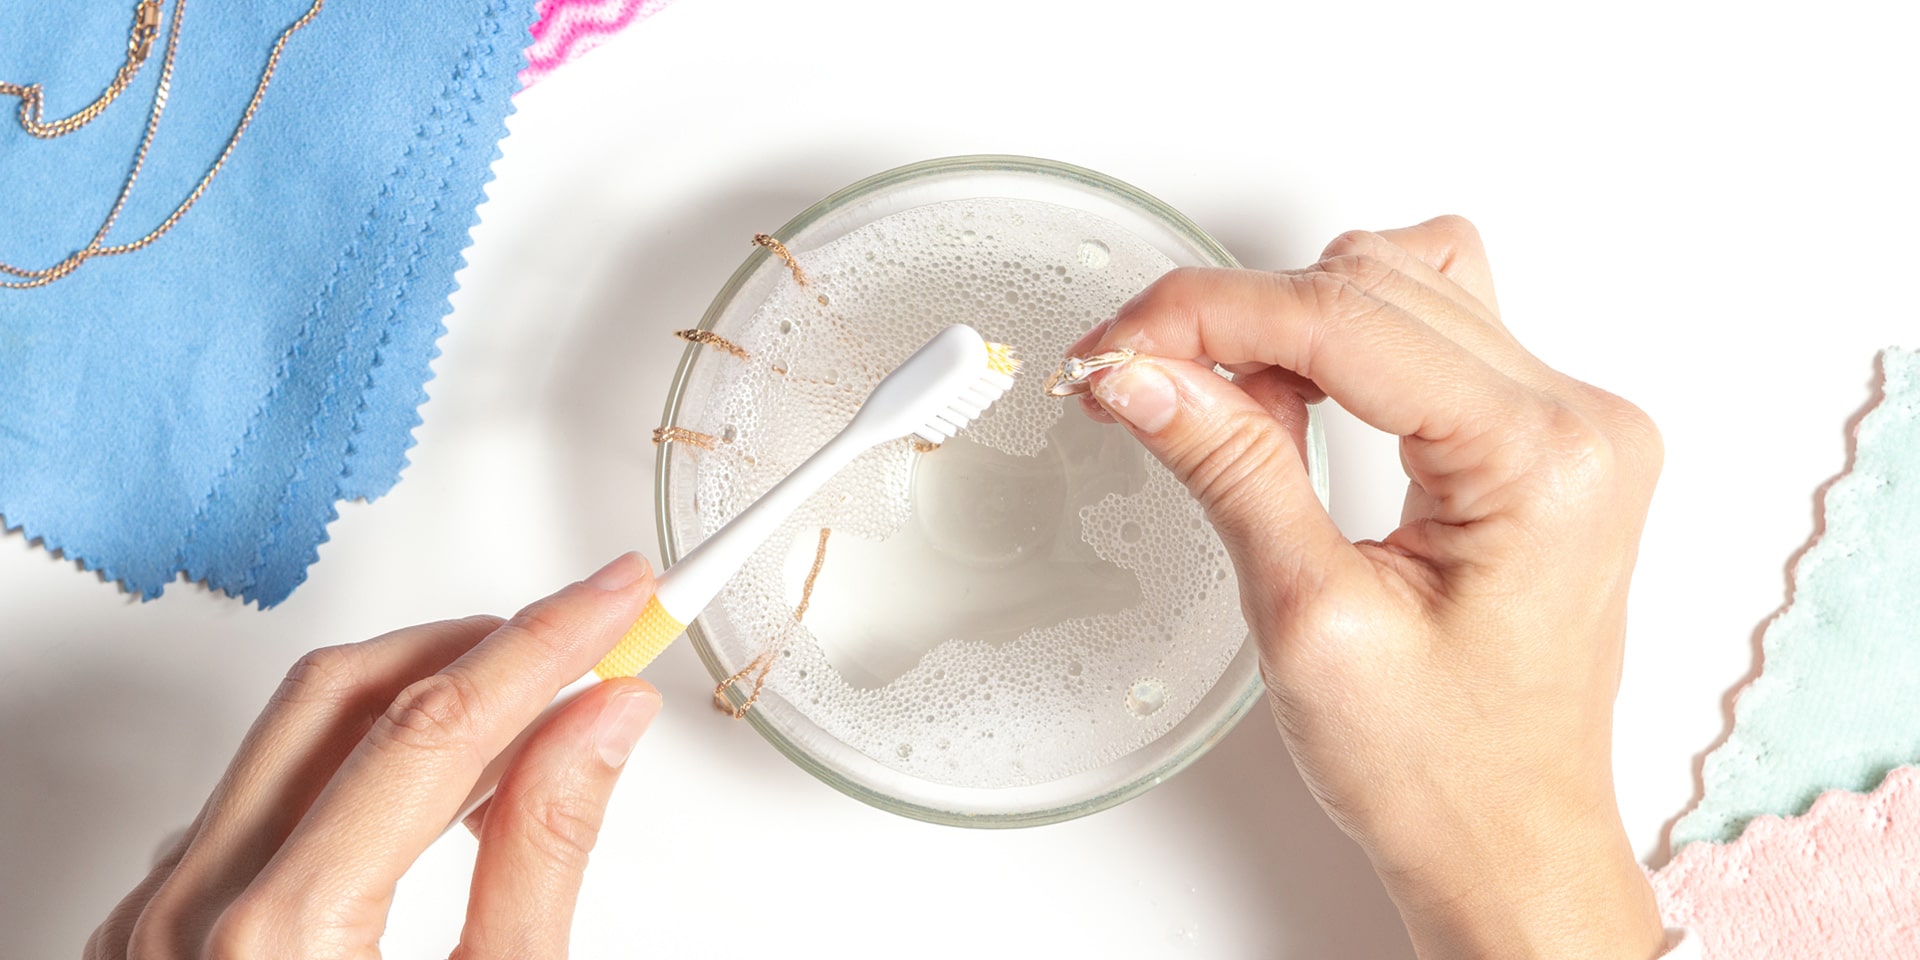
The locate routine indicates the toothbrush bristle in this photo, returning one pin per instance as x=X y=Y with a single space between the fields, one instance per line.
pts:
x=1000 y=359
x=975 y=399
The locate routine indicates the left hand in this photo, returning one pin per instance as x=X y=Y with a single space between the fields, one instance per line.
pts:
x=360 y=760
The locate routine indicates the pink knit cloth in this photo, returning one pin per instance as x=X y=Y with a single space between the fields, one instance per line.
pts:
x=1841 y=880
x=569 y=28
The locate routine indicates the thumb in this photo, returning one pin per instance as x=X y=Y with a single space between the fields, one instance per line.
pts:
x=1242 y=458
x=540 y=827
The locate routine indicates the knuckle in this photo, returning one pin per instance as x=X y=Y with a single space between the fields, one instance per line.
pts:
x=1463 y=243
x=1581 y=459
x=479 y=624
x=1627 y=429
x=1179 y=282
x=1635 y=434
x=562 y=827
x=1227 y=466
x=1321 y=619
x=1341 y=285
x=1321 y=290
x=541 y=626
x=437 y=712
x=157 y=933
x=1316 y=625
x=1341 y=301
x=1652 y=446
x=105 y=942
x=1457 y=228
x=1355 y=243
x=326 y=675
x=1371 y=273
x=475 y=626
x=241 y=932
x=482 y=621
x=1361 y=270
x=156 y=903
x=1172 y=294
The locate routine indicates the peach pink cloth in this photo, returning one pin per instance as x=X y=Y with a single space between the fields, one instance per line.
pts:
x=1841 y=880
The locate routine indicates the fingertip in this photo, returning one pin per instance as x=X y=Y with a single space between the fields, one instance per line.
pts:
x=477 y=820
x=1093 y=409
x=625 y=714
x=1235 y=455
x=1141 y=393
x=590 y=709
x=631 y=686
x=621 y=573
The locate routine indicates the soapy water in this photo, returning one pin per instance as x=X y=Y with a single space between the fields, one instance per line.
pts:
x=1032 y=600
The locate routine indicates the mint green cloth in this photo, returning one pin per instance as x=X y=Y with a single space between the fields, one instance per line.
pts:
x=1837 y=702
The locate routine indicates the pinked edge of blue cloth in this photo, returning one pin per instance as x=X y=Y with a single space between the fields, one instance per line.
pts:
x=377 y=337
x=411 y=320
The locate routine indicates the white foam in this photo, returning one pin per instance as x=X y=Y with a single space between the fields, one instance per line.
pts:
x=1065 y=694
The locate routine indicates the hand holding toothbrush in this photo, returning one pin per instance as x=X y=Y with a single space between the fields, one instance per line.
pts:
x=361 y=758
x=369 y=751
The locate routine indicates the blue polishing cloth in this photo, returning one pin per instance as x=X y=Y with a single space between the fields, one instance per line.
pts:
x=200 y=405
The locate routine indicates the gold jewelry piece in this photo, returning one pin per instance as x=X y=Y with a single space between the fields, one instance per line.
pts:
x=1071 y=379
x=764 y=662
x=146 y=26
x=786 y=256
x=713 y=340
x=684 y=435
x=98 y=246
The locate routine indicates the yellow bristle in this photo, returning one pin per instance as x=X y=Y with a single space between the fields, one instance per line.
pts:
x=1000 y=359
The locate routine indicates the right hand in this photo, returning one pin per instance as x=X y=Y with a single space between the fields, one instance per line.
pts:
x=1447 y=692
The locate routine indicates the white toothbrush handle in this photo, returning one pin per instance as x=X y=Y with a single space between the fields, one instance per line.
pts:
x=686 y=589
x=691 y=584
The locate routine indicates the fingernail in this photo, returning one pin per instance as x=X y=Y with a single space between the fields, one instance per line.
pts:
x=625 y=571
x=621 y=723
x=1140 y=394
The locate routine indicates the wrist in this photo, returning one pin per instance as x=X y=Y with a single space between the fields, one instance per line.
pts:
x=1492 y=891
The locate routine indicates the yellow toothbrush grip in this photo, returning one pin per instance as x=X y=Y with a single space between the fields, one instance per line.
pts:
x=649 y=635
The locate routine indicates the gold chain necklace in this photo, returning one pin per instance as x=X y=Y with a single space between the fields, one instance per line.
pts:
x=98 y=247
x=146 y=26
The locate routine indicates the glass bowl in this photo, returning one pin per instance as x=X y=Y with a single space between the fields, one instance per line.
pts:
x=876 y=778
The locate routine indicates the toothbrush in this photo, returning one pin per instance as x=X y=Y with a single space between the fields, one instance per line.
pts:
x=934 y=395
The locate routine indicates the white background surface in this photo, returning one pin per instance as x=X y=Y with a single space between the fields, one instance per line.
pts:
x=1709 y=211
